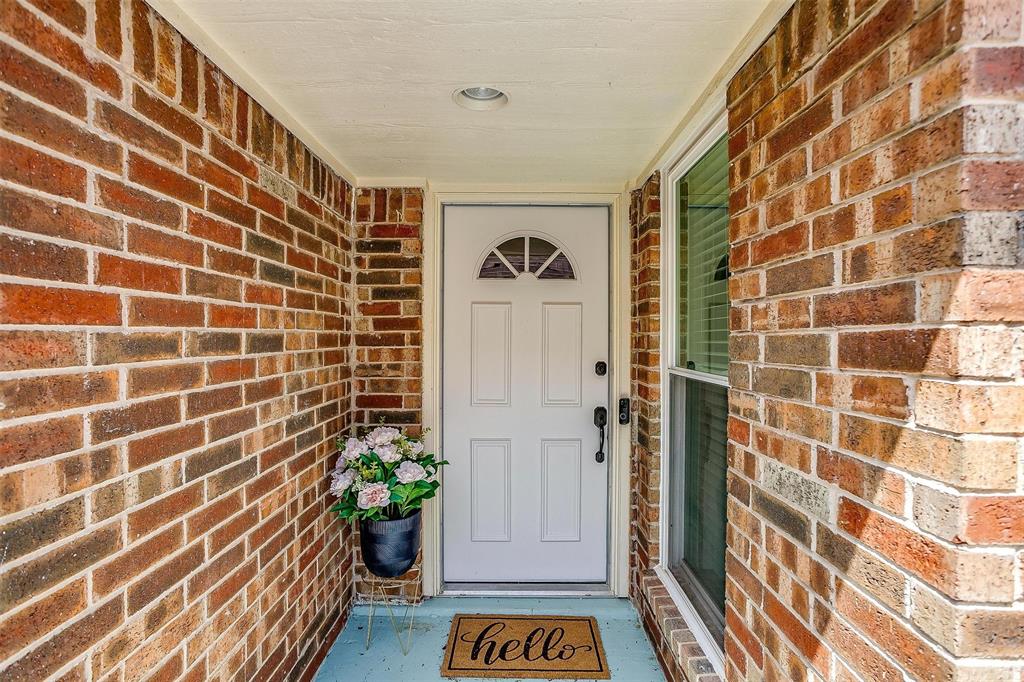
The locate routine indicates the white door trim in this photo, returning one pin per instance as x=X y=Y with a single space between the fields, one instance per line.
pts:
x=618 y=500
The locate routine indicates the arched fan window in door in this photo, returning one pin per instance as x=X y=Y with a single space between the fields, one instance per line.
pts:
x=526 y=253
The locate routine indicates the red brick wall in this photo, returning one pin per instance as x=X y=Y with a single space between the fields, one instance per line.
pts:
x=876 y=514
x=876 y=517
x=645 y=376
x=175 y=354
x=389 y=308
x=389 y=326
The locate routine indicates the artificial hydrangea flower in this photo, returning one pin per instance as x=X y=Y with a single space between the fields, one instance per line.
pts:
x=388 y=453
x=382 y=435
x=341 y=480
x=353 y=449
x=374 y=495
x=408 y=472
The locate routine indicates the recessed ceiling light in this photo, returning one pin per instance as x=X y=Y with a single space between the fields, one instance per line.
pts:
x=482 y=93
x=480 y=98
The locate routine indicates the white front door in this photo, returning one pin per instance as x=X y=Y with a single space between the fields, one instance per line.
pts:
x=525 y=324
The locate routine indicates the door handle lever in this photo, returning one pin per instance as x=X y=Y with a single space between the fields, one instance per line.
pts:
x=600 y=421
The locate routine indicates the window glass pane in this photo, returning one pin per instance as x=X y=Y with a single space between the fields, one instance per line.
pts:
x=540 y=251
x=703 y=263
x=514 y=250
x=697 y=495
x=704 y=545
x=493 y=268
x=559 y=268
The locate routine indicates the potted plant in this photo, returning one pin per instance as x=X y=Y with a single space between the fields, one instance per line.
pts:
x=381 y=480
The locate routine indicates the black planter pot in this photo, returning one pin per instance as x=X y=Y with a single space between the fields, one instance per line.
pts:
x=390 y=547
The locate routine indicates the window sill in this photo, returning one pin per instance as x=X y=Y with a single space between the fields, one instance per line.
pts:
x=705 y=641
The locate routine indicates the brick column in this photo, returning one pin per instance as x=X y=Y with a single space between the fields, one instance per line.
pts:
x=389 y=306
x=388 y=337
x=876 y=518
x=645 y=376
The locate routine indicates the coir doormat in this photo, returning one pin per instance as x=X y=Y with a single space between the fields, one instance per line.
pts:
x=543 y=647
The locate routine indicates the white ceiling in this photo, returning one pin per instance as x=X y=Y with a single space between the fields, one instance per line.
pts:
x=595 y=86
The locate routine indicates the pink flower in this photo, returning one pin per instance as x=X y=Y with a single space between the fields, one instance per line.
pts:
x=382 y=435
x=341 y=480
x=388 y=453
x=353 y=448
x=374 y=495
x=407 y=472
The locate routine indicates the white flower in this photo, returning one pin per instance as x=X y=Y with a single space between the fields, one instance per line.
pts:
x=341 y=480
x=415 y=448
x=388 y=453
x=407 y=472
x=353 y=448
x=382 y=435
x=374 y=495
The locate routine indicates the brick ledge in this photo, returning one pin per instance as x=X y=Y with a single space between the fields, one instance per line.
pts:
x=681 y=657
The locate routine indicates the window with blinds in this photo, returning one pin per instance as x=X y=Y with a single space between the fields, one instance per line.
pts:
x=698 y=393
x=703 y=263
x=697 y=495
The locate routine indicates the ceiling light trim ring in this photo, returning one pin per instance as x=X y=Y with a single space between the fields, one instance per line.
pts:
x=480 y=98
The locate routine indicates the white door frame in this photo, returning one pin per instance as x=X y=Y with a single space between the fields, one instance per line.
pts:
x=619 y=454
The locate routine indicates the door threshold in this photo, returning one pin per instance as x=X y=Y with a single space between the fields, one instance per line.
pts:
x=526 y=590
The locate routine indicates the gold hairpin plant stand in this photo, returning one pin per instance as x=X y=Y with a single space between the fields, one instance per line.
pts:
x=402 y=626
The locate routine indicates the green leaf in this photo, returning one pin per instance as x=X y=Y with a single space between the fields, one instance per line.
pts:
x=418 y=495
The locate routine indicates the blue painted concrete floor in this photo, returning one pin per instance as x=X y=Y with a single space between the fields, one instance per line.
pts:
x=629 y=652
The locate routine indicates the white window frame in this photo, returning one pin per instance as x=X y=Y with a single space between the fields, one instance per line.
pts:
x=691 y=151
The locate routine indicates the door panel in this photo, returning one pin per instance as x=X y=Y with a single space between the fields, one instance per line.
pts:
x=490 y=357
x=561 y=354
x=491 y=468
x=525 y=320
x=561 y=466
